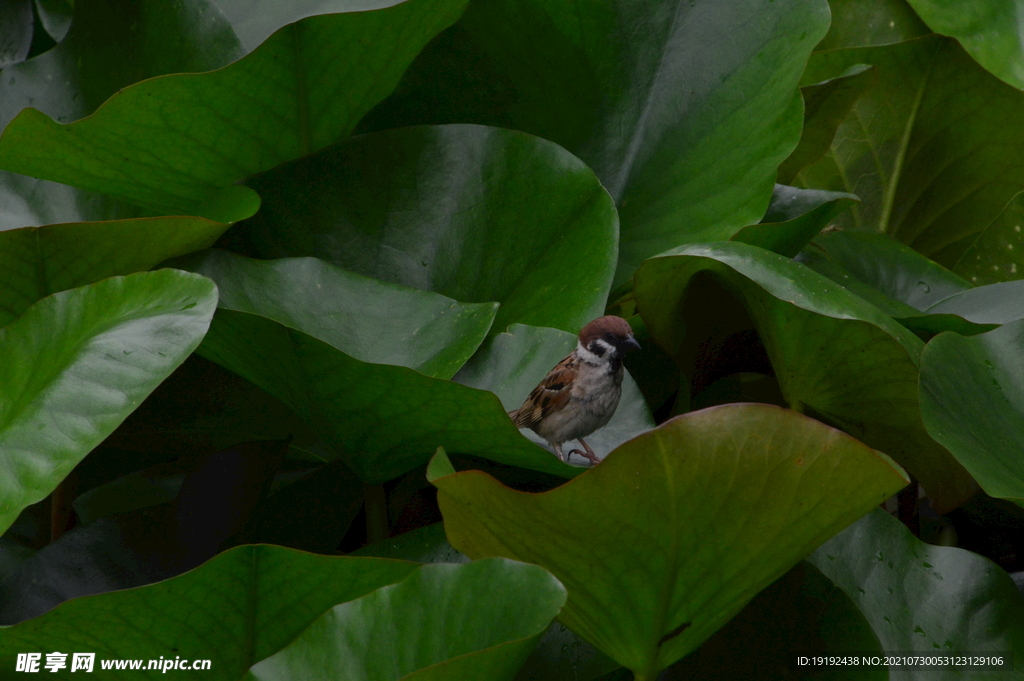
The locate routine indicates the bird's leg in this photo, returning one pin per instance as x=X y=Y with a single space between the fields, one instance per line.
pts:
x=588 y=455
x=558 y=453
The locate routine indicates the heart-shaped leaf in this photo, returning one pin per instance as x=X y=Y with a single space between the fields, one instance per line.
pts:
x=934 y=600
x=475 y=213
x=836 y=356
x=77 y=363
x=235 y=610
x=933 y=150
x=511 y=364
x=302 y=89
x=476 y=621
x=683 y=108
x=682 y=525
x=972 y=401
x=38 y=261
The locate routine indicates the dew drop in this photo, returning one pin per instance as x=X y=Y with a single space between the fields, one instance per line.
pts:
x=879 y=557
x=924 y=286
x=919 y=631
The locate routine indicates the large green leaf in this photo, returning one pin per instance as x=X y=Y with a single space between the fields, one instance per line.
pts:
x=560 y=654
x=235 y=610
x=511 y=364
x=476 y=621
x=477 y=214
x=391 y=341
x=178 y=142
x=933 y=150
x=934 y=600
x=369 y=320
x=683 y=108
x=972 y=401
x=899 y=272
x=77 y=363
x=990 y=31
x=38 y=261
x=682 y=525
x=836 y=356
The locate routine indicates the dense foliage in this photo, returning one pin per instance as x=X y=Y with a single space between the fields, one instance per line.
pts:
x=271 y=274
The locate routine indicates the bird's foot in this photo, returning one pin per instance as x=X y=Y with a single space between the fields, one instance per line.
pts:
x=589 y=456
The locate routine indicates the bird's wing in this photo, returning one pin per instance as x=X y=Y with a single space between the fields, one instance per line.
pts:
x=550 y=395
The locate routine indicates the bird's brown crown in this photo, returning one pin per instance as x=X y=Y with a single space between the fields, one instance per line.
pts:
x=602 y=325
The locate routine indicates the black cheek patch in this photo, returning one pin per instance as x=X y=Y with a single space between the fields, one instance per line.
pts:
x=596 y=348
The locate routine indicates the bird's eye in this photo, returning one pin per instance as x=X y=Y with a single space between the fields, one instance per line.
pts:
x=609 y=336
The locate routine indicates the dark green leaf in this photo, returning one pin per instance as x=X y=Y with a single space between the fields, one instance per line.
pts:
x=933 y=150
x=369 y=320
x=78 y=362
x=927 y=599
x=476 y=621
x=177 y=142
x=803 y=613
x=38 y=261
x=396 y=419
x=794 y=217
x=477 y=214
x=972 y=401
x=835 y=356
x=683 y=108
x=237 y=609
x=650 y=572
x=112 y=44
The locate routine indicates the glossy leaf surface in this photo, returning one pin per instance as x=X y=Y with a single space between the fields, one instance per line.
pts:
x=177 y=143
x=77 y=363
x=835 y=356
x=639 y=578
x=972 y=401
x=238 y=608
x=477 y=214
x=927 y=599
x=476 y=621
x=684 y=109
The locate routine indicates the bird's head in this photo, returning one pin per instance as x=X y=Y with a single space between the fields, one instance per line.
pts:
x=608 y=337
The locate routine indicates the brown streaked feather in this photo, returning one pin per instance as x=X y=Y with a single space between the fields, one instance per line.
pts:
x=550 y=395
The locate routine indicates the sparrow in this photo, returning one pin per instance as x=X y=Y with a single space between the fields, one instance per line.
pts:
x=582 y=392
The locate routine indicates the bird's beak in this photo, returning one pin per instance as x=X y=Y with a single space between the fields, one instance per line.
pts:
x=631 y=344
